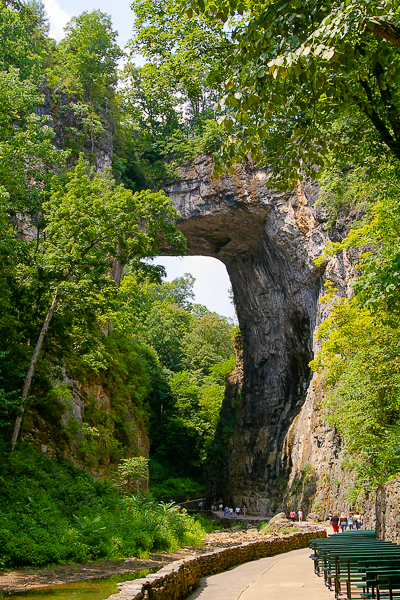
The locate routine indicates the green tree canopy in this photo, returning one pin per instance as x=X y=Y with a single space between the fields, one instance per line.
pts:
x=207 y=343
x=298 y=67
x=28 y=155
x=24 y=44
x=89 y=55
x=89 y=222
x=185 y=50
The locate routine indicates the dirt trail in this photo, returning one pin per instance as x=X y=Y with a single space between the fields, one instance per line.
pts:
x=28 y=578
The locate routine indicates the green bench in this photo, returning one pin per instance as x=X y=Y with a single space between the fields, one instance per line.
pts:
x=369 y=568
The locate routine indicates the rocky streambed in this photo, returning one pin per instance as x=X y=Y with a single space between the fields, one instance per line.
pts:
x=241 y=534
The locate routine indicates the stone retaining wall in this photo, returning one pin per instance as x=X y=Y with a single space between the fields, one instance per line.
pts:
x=178 y=579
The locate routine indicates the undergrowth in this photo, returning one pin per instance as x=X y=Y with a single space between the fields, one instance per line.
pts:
x=178 y=488
x=53 y=513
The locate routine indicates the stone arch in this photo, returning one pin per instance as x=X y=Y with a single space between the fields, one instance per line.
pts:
x=268 y=241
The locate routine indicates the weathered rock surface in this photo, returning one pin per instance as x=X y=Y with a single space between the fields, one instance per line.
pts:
x=270 y=430
x=381 y=511
x=67 y=120
x=240 y=535
x=278 y=518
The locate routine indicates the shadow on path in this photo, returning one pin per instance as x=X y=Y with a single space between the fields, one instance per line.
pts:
x=288 y=576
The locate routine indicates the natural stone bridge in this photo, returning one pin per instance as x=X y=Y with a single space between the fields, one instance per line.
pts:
x=268 y=242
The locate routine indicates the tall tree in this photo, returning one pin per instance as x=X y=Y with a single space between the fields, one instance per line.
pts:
x=185 y=50
x=24 y=44
x=89 y=55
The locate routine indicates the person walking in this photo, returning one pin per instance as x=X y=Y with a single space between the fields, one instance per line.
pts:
x=292 y=516
x=237 y=511
x=335 y=522
x=357 y=521
x=244 y=510
x=221 y=507
x=350 y=520
x=300 y=515
x=343 y=522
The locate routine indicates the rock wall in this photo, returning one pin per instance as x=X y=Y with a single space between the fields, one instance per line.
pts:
x=177 y=580
x=58 y=426
x=70 y=130
x=381 y=511
x=270 y=432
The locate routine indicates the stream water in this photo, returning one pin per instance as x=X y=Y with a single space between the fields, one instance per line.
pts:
x=91 y=589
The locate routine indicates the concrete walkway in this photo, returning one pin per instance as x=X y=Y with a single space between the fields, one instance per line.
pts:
x=288 y=576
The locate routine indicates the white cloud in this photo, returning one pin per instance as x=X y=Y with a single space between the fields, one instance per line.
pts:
x=58 y=18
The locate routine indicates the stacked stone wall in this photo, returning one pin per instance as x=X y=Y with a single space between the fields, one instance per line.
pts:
x=177 y=580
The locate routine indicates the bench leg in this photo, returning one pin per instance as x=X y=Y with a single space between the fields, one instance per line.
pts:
x=337 y=578
x=348 y=580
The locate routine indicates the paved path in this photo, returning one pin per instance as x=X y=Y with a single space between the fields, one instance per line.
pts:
x=288 y=576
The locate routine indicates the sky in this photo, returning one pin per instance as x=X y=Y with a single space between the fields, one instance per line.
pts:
x=212 y=280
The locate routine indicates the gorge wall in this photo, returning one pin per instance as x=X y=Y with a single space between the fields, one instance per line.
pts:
x=381 y=511
x=271 y=448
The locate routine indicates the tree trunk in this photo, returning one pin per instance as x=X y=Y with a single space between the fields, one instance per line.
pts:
x=31 y=370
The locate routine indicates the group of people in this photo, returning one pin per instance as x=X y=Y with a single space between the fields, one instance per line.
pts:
x=294 y=514
x=352 y=521
x=229 y=512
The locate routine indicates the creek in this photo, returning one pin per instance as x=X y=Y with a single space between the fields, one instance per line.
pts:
x=89 y=589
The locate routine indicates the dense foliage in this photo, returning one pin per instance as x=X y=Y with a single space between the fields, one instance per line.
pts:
x=360 y=352
x=165 y=107
x=193 y=354
x=296 y=68
x=52 y=512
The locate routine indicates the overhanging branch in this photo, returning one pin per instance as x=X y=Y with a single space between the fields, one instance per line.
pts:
x=385 y=30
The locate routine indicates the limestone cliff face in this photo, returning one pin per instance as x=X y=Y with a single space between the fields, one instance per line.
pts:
x=270 y=430
x=69 y=126
x=78 y=422
x=381 y=511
